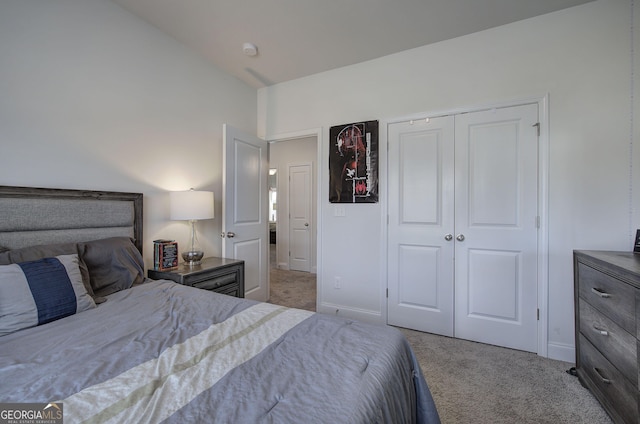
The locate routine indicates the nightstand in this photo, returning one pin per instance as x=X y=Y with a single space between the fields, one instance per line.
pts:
x=220 y=275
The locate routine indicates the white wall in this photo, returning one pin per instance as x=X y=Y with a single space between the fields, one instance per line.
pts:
x=282 y=154
x=91 y=97
x=579 y=56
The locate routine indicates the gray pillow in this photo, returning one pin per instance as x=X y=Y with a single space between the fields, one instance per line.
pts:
x=37 y=292
x=34 y=253
x=114 y=264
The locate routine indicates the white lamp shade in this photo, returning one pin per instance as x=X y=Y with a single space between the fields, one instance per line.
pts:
x=191 y=205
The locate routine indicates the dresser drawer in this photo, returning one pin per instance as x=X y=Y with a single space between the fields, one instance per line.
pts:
x=615 y=393
x=615 y=299
x=618 y=346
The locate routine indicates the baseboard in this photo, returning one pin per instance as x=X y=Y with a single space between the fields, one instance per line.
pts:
x=353 y=313
x=285 y=267
x=561 y=352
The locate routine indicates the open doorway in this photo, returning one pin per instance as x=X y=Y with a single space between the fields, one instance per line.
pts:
x=289 y=238
x=285 y=158
x=273 y=215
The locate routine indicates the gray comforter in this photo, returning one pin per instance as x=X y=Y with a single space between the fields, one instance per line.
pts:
x=165 y=352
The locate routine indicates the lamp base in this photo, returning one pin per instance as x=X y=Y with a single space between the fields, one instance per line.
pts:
x=193 y=257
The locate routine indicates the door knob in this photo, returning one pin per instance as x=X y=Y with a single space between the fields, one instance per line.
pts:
x=448 y=237
x=460 y=237
x=231 y=234
x=306 y=224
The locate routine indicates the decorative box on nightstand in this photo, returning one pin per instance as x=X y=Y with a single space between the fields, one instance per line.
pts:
x=220 y=275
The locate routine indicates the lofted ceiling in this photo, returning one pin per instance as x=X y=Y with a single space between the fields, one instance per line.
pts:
x=297 y=38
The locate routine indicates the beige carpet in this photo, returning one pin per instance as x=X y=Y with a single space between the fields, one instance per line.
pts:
x=294 y=289
x=473 y=382
x=477 y=383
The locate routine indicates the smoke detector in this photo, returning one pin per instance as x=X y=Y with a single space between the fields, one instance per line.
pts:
x=249 y=49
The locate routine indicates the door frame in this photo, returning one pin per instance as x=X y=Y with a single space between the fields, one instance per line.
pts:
x=320 y=173
x=543 y=205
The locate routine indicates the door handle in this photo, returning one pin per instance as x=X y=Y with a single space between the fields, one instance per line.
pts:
x=460 y=237
x=306 y=224
x=231 y=234
x=448 y=237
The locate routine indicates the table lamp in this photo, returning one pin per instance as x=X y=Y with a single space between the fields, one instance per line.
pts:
x=191 y=206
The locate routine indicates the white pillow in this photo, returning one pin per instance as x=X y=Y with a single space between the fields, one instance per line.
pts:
x=37 y=292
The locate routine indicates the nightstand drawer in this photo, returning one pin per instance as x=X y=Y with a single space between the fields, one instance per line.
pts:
x=610 y=339
x=614 y=391
x=214 y=283
x=609 y=295
x=230 y=289
x=221 y=275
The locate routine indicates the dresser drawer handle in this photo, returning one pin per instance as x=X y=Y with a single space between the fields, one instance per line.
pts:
x=604 y=380
x=602 y=332
x=600 y=293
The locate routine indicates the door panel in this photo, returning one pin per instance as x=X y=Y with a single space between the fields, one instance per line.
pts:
x=420 y=179
x=420 y=271
x=245 y=207
x=496 y=208
x=493 y=174
x=249 y=249
x=497 y=273
x=417 y=261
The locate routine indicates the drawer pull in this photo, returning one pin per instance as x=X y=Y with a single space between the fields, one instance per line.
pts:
x=602 y=332
x=600 y=293
x=604 y=380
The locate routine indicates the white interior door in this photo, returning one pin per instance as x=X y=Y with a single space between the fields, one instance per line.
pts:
x=496 y=227
x=245 y=208
x=484 y=163
x=420 y=265
x=300 y=217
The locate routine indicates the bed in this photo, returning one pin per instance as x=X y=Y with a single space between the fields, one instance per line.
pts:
x=82 y=328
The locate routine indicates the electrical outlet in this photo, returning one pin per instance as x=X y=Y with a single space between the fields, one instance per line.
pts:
x=337 y=283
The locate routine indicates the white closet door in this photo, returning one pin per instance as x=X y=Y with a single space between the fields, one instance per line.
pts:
x=420 y=258
x=496 y=227
x=486 y=164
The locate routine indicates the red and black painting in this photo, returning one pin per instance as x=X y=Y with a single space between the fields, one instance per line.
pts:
x=353 y=163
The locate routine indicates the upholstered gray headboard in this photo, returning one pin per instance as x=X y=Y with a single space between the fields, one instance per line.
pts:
x=31 y=216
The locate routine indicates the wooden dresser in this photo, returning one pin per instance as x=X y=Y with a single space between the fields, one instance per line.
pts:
x=607 y=312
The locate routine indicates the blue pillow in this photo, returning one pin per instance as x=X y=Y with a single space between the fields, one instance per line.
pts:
x=37 y=292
